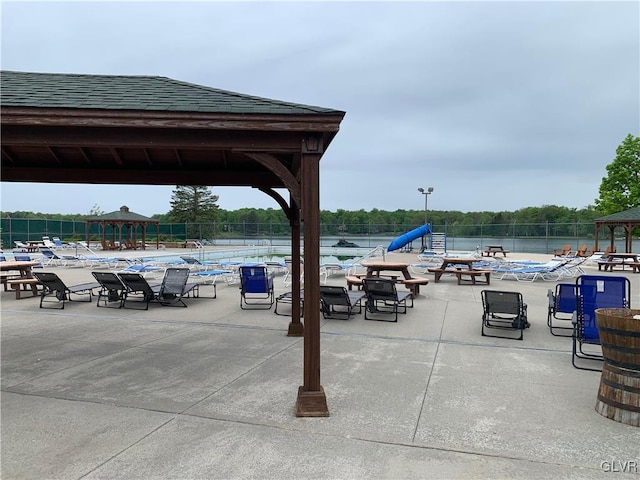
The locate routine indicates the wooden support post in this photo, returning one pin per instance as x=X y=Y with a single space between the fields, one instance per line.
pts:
x=312 y=401
x=296 y=328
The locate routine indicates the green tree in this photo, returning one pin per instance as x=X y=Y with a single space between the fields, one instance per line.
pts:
x=620 y=189
x=194 y=204
x=96 y=211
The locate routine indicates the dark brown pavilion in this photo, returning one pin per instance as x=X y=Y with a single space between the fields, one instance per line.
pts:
x=123 y=221
x=146 y=130
x=628 y=220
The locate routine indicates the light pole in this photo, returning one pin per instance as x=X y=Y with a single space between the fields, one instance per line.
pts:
x=426 y=194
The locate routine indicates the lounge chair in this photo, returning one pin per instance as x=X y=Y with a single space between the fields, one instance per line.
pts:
x=112 y=289
x=338 y=302
x=563 y=252
x=595 y=291
x=382 y=299
x=144 y=270
x=51 y=258
x=256 y=287
x=210 y=277
x=287 y=298
x=174 y=287
x=58 y=243
x=562 y=305
x=582 y=251
x=554 y=270
x=138 y=291
x=170 y=292
x=196 y=265
x=53 y=286
x=503 y=311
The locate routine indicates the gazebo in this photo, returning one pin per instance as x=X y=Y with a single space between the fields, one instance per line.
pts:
x=121 y=221
x=628 y=220
x=144 y=130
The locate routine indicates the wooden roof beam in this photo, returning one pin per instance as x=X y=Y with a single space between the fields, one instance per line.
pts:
x=6 y=154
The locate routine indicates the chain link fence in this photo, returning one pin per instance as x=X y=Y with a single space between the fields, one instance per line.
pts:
x=524 y=237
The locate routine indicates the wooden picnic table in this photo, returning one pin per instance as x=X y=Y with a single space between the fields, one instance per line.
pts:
x=25 y=278
x=458 y=263
x=375 y=269
x=493 y=250
x=614 y=259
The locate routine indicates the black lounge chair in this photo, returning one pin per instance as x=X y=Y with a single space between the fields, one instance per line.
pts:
x=383 y=299
x=138 y=291
x=173 y=288
x=256 y=287
x=112 y=290
x=503 y=311
x=53 y=286
x=287 y=298
x=340 y=303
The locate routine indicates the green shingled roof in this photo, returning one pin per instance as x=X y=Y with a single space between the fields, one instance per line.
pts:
x=115 y=92
x=122 y=214
x=631 y=214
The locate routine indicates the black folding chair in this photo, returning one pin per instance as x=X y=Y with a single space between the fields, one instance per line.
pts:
x=54 y=290
x=503 y=311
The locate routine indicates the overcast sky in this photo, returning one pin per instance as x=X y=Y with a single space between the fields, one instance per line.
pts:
x=496 y=105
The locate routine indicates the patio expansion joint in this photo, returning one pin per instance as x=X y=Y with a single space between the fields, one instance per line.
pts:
x=123 y=450
x=244 y=374
x=428 y=382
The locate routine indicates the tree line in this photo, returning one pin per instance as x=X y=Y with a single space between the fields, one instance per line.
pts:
x=544 y=214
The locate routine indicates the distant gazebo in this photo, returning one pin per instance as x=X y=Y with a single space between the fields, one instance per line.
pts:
x=125 y=226
x=628 y=220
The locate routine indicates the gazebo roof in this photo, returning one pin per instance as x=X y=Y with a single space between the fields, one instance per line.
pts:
x=135 y=92
x=122 y=215
x=633 y=214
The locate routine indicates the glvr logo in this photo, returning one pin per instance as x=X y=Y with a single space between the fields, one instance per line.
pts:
x=620 y=466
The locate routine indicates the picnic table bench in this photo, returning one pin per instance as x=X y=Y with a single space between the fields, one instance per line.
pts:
x=473 y=276
x=27 y=283
x=413 y=283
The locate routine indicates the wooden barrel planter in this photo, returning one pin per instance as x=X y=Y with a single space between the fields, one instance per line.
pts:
x=619 y=392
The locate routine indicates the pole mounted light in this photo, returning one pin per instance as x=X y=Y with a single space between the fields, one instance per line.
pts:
x=426 y=194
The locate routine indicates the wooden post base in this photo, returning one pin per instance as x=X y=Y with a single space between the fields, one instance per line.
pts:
x=296 y=329
x=311 y=404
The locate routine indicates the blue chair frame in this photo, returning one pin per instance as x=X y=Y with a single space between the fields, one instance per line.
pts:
x=562 y=304
x=593 y=292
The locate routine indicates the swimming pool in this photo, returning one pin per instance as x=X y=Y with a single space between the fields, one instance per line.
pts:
x=264 y=254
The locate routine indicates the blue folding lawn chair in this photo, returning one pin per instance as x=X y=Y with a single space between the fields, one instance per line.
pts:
x=256 y=287
x=595 y=291
x=562 y=304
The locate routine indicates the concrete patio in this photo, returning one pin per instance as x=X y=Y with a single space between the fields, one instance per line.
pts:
x=209 y=391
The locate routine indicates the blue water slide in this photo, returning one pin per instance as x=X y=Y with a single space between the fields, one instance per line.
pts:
x=402 y=240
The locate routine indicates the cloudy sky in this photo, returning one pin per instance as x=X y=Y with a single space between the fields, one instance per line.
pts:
x=496 y=105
